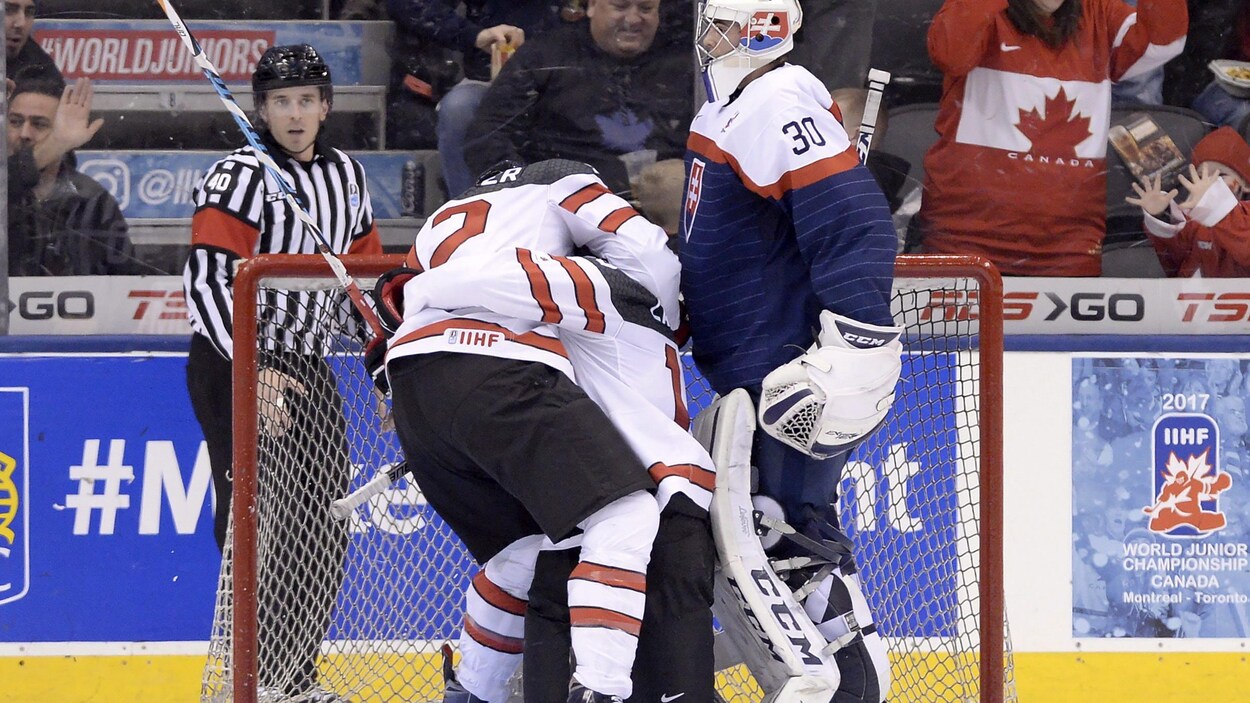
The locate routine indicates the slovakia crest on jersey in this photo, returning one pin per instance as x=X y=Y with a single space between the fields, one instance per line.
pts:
x=766 y=30
x=694 y=189
x=1187 y=479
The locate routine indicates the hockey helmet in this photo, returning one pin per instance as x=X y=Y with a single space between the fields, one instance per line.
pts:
x=764 y=32
x=291 y=66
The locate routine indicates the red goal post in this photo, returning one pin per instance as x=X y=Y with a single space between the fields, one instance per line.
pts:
x=389 y=593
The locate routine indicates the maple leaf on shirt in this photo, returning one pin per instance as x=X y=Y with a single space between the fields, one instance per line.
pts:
x=1058 y=130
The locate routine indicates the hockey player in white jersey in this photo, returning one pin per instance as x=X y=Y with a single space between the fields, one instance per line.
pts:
x=784 y=233
x=614 y=323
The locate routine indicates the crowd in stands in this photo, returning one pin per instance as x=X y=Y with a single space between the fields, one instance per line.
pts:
x=611 y=82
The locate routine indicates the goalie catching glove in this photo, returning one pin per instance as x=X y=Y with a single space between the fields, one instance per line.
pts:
x=839 y=392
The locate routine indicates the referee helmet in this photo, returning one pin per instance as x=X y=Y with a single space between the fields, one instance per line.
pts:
x=291 y=66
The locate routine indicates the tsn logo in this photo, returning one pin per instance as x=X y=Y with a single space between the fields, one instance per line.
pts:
x=1215 y=307
x=159 y=304
x=952 y=305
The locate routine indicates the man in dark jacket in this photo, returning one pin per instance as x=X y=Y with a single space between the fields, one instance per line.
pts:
x=429 y=30
x=589 y=91
x=26 y=59
x=61 y=222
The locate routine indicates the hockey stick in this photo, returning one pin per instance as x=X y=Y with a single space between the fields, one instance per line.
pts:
x=262 y=154
x=382 y=480
x=877 y=81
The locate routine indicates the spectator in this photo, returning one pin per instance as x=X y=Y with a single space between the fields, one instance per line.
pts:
x=590 y=92
x=485 y=25
x=1212 y=24
x=1215 y=102
x=1208 y=234
x=1018 y=173
x=26 y=59
x=61 y=222
x=1146 y=89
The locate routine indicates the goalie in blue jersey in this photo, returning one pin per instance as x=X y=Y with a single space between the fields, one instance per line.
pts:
x=787 y=255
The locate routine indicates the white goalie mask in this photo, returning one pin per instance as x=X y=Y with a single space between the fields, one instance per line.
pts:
x=735 y=37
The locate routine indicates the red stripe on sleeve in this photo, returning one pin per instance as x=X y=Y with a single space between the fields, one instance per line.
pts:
x=574 y=202
x=214 y=228
x=616 y=218
x=585 y=290
x=540 y=287
x=369 y=243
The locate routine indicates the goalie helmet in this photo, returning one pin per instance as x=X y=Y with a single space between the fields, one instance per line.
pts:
x=735 y=37
x=291 y=66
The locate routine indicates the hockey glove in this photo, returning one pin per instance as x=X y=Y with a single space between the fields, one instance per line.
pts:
x=388 y=296
x=829 y=399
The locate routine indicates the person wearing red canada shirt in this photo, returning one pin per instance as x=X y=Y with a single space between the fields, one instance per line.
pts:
x=1208 y=234
x=1018 y=173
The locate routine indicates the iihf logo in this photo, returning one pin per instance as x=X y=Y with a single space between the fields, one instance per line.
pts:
x=1187 y=479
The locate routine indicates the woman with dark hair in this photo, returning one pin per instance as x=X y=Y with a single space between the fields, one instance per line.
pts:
x=1018 y=173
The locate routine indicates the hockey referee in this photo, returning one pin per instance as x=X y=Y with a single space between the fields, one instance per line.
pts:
x=303 y=451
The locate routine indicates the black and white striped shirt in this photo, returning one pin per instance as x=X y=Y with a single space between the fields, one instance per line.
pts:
x=240 y=213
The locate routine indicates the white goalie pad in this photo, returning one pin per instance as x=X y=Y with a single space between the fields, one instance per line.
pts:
x=764 y=626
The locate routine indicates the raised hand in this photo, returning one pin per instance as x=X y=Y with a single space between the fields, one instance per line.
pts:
x=1198 y=183
x=1150 y=196
x=73 y=125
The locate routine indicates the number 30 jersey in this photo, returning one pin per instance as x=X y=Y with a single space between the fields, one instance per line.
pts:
x=780 y=221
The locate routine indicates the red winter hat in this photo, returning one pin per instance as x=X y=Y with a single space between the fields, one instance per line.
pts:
x=1227 y=147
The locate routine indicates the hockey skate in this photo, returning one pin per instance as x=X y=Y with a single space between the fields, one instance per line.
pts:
x=580 y=694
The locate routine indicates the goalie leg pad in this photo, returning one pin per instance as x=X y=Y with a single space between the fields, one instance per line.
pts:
x=763 y=622
x=841 y=613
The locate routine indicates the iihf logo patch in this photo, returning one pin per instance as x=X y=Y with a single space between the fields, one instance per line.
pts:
x=1187 y=480
x=353 y=195
x=694 y=189
x=766 y=30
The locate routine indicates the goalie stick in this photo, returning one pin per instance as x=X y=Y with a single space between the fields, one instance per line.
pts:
x=382 y=480
x=271 y=166
x=877 y=81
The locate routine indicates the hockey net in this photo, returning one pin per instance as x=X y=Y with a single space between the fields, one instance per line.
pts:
x=363 y=606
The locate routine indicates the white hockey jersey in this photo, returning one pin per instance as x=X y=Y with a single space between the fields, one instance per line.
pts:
x=515 y=287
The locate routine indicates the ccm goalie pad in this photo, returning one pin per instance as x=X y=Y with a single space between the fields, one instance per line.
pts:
x=827 y=400
x=765 y=627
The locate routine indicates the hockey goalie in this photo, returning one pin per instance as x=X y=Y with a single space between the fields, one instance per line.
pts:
x=787 y=256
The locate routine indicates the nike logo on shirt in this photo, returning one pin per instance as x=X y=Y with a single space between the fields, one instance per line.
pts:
x=1005 y=47
x=666 y=699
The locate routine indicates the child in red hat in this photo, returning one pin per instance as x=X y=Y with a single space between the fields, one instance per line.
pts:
x=1208 y=233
